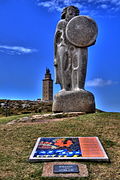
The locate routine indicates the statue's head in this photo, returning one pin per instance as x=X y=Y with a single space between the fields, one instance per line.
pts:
x=69 y=12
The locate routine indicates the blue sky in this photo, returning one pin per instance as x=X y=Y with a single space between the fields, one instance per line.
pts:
x=26 y=48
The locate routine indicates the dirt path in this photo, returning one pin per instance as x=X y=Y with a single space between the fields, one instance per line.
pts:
x=46 y=118
x=41 y=121
x=44 y=121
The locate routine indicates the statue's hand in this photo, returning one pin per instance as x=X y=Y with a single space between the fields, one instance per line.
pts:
x=94 y=42
x=55 y=63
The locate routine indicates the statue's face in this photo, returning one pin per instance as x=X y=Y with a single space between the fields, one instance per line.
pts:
x=71 y=12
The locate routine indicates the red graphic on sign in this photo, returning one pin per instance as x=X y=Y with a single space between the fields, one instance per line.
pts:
x=63 y=143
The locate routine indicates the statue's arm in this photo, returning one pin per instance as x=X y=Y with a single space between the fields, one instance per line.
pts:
x=56 y=43
x=58 y=39
x=55 y=49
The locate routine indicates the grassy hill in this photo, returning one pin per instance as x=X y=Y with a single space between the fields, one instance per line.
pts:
x=17 y=142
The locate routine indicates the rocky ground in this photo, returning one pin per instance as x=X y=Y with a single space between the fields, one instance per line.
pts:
x=46 y=117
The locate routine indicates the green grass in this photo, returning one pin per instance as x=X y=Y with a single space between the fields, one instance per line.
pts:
x=4 y=119
x=17 y=142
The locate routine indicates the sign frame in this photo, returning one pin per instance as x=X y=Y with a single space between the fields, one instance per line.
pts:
x=81 y=158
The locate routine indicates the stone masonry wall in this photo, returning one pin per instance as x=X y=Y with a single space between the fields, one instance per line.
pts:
x=12 y=107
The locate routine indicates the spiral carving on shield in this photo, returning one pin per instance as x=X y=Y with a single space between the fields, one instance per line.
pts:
x=81 y=31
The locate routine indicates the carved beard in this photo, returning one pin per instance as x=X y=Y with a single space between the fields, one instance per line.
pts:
x=69 y=17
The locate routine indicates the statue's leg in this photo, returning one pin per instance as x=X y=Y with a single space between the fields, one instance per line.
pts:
x=75 y=68
x=65 y=69
x=61 y=66
x=83 y=57
x=79 y=66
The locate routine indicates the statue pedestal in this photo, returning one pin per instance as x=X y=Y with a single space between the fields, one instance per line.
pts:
x=74 y=101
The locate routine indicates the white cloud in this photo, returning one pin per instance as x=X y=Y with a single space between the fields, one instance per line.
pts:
x=118 y=3
x=12 y=50
x=46 y=4
x=115 y=1
x=89 y=1
x=92 y=7
x=109 y=1
x=99 y=82
x=104 y=6
x=67 y=2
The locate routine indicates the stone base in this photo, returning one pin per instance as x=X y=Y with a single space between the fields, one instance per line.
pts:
x=74 y=101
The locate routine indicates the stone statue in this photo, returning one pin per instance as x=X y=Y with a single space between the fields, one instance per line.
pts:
x=64 y=49
x=74 y=34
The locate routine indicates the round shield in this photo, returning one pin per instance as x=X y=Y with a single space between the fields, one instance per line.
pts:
x=81 y=31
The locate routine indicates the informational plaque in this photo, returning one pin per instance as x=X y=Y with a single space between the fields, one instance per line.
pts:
x=66 y=168
x=70 y=148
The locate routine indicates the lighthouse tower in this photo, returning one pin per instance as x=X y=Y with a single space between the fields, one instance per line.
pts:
x=47 y=86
